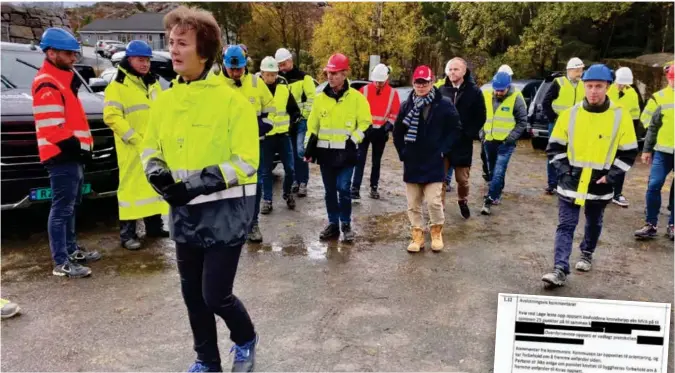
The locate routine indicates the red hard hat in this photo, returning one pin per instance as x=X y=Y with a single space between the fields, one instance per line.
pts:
x=337 y=62
x=424 y=73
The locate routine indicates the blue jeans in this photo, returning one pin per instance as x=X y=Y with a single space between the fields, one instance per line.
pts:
x=301 y=167
x=259 y=189
x=568 y=219
x=66 y=182
x=378 y=150
x=271 y=145
x=337 y=183
x=662 y=165
x=498 y=156
x=448 y=177
x=550 y=170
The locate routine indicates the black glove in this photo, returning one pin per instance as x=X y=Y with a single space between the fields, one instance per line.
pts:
x=86 y=156
x=509 y=142
x=389 y=127
x=176 y=194
x=70 y=145
x=160 y=178
x=351 y=145
x=368 y=133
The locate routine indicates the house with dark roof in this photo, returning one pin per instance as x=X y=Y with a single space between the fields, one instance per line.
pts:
x=142 y=26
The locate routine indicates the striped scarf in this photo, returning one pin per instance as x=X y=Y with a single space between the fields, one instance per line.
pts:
x=412 y=119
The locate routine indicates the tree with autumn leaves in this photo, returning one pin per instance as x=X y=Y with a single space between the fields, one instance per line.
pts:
x=534 y=38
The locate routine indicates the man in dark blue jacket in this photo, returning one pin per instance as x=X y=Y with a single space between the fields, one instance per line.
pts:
x=424 y=133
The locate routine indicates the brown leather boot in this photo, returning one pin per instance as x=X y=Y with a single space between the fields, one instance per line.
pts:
x=417 y=242
x=437 y=237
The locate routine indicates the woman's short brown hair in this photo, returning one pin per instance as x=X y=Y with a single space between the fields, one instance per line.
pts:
x=206 y=30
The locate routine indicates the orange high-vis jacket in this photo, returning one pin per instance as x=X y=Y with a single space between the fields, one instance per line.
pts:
x=384 y=106
x=58 y=112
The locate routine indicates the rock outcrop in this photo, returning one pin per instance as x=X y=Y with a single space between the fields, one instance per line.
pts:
x=23 y=24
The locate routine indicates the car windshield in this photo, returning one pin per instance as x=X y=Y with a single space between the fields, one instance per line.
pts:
x=403 y=93
x=17 y=73
x=20 y=67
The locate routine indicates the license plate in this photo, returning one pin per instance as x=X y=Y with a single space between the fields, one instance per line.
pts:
x=45 y=194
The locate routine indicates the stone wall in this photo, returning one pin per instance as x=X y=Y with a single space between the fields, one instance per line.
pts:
x=21 y=24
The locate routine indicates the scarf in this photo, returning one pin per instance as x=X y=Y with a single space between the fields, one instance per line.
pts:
x=412 y=118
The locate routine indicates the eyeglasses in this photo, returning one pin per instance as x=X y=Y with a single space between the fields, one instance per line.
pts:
x=421 y=83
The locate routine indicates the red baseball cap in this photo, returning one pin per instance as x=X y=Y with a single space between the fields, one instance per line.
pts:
x=423 y=73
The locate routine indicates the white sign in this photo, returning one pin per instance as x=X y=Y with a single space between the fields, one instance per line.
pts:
x=578 y=335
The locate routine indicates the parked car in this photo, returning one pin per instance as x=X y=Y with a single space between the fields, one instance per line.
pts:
x=160 y=64
x=536 y=118
x=99 y=84
x=101 y=45
x=403 y=92
x=539 y=122
x=24 y=180
x=112 y=49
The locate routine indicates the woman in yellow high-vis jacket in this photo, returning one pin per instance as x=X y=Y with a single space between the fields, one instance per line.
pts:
x=127 y=105
x=201 y=154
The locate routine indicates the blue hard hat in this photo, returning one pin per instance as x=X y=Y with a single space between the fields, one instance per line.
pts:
x=59 y=39
x=234 y=57
x=138 y=48
x=501 y=81
x=598 y=72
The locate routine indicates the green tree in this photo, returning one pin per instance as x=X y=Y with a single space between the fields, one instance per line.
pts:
x=231 y=16
x=352 y=29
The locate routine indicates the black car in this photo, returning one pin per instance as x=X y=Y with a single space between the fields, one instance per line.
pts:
x=24 y=180
x=535 y=116
x=539 y=122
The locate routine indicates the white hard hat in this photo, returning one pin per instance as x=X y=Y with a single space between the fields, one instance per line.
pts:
x=380 y=73
x=282 y=55
x=269 y=64
x=505 y=69
x=575 y=63
x=624 y=76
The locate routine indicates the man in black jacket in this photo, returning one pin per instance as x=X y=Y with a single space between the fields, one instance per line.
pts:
x=461 y=89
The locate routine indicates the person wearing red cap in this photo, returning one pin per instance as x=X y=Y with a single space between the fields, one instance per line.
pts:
x=658 y=152
x=425 y=130
x=335 y=127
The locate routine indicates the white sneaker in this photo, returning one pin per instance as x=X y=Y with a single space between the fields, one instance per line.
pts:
x=621 y=201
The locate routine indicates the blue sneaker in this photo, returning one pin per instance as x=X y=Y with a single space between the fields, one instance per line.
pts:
x=200 y=366
x=244 y=356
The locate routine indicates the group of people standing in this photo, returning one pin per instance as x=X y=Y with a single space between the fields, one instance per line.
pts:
x=203 y=152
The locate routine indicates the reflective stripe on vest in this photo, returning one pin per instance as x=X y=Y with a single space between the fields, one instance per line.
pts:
x=67 y=117
x=379 y=119
x=499 y=123
x=140 y=202
x=588 y=196
x=280 y=119
x=665 y=139
x=570 y=147
x=568 y=95
x=234 y=192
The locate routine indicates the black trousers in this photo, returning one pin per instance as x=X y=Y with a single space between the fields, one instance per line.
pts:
x=206 y=279
x=153 y=224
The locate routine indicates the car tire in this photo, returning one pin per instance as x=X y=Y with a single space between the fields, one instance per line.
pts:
x=539 y=143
